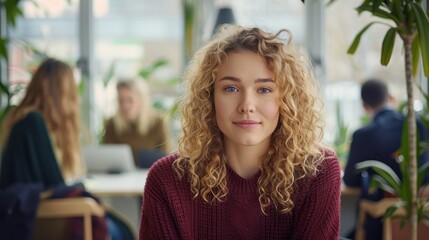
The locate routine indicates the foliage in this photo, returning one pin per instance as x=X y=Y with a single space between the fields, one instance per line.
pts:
x=341 y=136
x=387 y=180
x=408 y=20
x=13 y=11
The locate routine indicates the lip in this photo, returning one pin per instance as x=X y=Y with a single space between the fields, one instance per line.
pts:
x=246 y=123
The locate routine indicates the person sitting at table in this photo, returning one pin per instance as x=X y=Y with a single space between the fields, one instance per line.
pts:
x=136 y=122
x=42 y=133
x=379 y=141
x=250 y=163
x=42 y=145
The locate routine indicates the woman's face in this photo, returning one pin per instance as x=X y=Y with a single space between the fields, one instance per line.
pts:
x=247 y=100
x=129 y=103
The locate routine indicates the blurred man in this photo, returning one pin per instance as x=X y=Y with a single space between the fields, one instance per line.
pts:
x=379 y=140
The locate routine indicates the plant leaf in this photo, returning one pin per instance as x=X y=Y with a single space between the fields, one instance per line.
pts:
x=423 y=33
x=147 y=71
x=387 y=47
x=415 y=49
x=383 y=171
x=377 y=181
x=422 y=174
x=3 y=49
x=397 y=10
x=4 y=88
x=377 y=11
x=390 y=211
x=356 y=41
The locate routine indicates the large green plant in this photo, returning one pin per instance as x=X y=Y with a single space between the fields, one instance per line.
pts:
x=409 y=20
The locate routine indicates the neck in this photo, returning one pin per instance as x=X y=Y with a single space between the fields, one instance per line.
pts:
x=244 y=160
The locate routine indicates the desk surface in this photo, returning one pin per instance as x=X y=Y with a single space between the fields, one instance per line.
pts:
x=121 y=184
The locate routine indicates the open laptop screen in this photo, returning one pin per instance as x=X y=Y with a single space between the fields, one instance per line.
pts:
x=108 y=158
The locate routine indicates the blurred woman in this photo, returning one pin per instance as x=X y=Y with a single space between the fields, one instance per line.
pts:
x=42 y=132
x=136 y=123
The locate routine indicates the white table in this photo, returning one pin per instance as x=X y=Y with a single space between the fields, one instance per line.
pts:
x=121 y=184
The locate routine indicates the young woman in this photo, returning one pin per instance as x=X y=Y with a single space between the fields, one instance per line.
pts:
x=42 y=132
x=250 y=164
x=136 y=123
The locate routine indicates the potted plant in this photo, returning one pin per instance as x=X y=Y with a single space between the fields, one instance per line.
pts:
x=409 y=20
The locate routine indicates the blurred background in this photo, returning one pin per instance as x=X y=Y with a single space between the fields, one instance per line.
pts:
x=109 y=39
x=105 y=40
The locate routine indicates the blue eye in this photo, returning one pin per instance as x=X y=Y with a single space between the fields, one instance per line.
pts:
x=231 y=89
x=264 y=90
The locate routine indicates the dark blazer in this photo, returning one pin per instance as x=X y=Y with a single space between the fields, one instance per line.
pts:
x=378 y=141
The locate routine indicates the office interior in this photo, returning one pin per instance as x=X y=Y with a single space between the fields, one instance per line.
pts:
x=105 y=40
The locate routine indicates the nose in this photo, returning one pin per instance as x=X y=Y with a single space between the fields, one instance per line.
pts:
x=246 y=105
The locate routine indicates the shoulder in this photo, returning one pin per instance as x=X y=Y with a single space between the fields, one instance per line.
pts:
x=328 y=171
x=163 y=168
x=162 y=179
x=327 y=178
x=330 y=163
x=364 y=132
x=32 y=119
x=109 y=122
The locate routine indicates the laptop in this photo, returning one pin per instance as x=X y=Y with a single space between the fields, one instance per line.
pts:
x=108 y=158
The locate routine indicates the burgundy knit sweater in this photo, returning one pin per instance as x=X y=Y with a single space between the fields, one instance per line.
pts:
x=169 y=210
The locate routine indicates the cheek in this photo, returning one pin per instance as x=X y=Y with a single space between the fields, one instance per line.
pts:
x=271 y=110
x=222 y=110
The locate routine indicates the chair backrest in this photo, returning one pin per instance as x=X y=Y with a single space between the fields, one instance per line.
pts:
x=84 y=207
x=391 y=229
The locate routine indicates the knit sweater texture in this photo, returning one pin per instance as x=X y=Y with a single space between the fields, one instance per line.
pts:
x=170 y=211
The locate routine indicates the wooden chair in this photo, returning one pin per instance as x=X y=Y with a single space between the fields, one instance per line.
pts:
x=71 y=207
x=378 y=209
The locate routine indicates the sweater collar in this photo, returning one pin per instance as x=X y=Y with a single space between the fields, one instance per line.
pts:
x=238 y=184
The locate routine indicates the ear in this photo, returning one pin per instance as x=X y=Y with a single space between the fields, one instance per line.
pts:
x=368 y=109
x=392 y=100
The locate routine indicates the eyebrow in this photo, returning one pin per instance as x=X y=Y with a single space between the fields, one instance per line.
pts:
x=258 y=80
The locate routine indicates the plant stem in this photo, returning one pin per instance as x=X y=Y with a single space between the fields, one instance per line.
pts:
x=411 y=135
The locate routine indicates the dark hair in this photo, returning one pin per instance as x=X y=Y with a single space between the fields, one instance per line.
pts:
x=374 y=93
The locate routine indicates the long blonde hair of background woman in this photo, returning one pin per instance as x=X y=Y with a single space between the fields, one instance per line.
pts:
x=294 y=151
x=53 y=92
x=147 y=113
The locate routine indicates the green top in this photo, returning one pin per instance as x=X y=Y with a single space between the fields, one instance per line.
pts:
x=28 y=155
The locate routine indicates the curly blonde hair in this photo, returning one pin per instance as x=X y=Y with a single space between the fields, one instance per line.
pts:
x=53 y=93
x=295 y=149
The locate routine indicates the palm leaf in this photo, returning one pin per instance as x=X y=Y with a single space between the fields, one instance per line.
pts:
x=376 y=11
x=3 y=49
x=415 y=49
x=397 y=10
x=384 y=171
x=392 y=209
x=387 y=47
x=423 y=169
x=356 y=41
x=423 y=33
x=147 y=71
x=379 y=182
